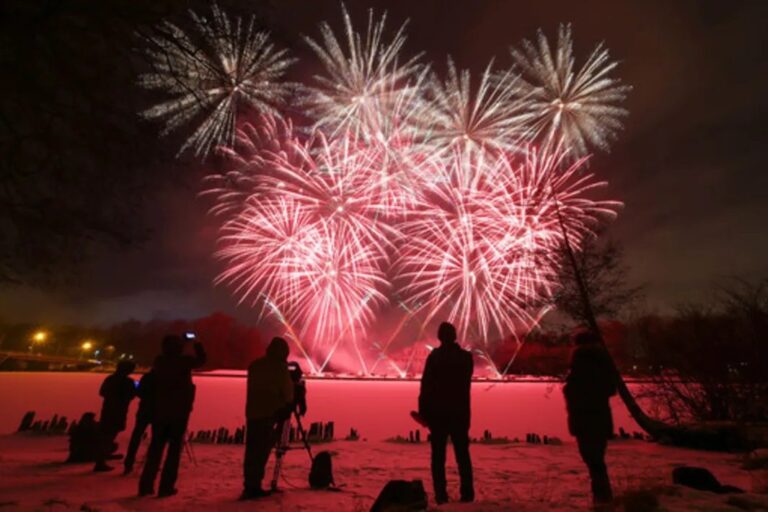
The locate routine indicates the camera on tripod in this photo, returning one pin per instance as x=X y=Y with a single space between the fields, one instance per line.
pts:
x=299 y=404
x=321 y=473
x=299 y=388
x=297 y=408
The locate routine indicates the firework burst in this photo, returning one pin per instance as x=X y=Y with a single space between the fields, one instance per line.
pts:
x=279 y=256
x=366 y=89
x=210 y=73
x=299 y=236
x=447 y=197
x=580 y=107
x=333 y=180
x=492 y=117
x=483 y=251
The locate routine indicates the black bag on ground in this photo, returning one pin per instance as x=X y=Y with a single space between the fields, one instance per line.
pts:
x=321 y=474
x=401 y=496
x=701 y=479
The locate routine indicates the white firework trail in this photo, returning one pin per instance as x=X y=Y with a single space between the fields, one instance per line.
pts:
x=491 y=116
x=211 y=73
x=365 y=86
x=578 y=106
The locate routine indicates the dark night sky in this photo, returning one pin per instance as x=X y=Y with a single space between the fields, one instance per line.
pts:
x=690 y=165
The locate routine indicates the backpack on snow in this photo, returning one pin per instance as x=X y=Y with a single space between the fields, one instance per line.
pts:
x=321 y=474
x=401 y=496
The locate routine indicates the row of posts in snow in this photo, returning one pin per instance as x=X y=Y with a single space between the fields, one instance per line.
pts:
x=56 y=425
x=319 y=432
x=414 y=436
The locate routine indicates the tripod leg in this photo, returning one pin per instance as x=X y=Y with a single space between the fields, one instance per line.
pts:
x=190 y=453
x=303 y=435
x=280 y=449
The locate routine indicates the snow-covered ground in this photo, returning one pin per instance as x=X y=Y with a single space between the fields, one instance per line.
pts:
x=516 y=477
x=508 y=477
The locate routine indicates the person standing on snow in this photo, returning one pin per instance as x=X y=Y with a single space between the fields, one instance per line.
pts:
x=270 y=392
x=444 y=404
x=174 y=395
x=589 y=385
x=117 y=390
x=146 y=394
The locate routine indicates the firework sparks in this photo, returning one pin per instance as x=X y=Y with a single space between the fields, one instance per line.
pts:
x=365 y=89
x=210 y=73
x=302 y=239
x=483 y=253
x=578 y=106
x=445 y=196
x=278 y=255
x=332 y=179
x=490 y=118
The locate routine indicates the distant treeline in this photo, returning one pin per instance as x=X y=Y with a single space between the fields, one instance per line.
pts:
x=229 y=343
x=724 y=342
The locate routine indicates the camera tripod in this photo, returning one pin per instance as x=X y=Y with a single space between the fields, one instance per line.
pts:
x=283 y=445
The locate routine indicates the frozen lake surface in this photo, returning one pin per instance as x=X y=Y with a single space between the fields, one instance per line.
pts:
x=377 y=409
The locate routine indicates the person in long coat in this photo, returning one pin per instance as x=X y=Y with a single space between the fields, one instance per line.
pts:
x=117 y=390
x=590 y=383
x=269 y=396
x=174 y=395
x=444 y=404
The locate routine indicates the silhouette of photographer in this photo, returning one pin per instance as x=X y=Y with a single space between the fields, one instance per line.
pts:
x=174 y=394
x=270 y=396
x=444 y=404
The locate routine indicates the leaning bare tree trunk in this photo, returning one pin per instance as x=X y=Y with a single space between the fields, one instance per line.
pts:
x=710 y=437
x=653 y=427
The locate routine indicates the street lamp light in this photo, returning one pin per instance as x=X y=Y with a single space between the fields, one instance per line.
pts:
x=86 y=346
x=38 y=339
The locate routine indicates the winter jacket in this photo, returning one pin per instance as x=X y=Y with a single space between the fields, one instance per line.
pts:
x=445 y=387
x=117 y=390
x=590 y=383
x=174 y=390
x=270 y=388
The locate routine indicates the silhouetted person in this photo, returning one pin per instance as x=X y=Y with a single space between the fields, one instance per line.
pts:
x=174 y=395
x=269 y=395
x=444 y=406
x=118 y=390
x=146 y=394
x=590 y=383
x=84 y=439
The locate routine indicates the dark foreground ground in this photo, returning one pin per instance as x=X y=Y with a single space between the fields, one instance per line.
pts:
x=509 y=477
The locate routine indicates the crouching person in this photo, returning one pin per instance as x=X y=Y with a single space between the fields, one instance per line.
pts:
x=590 y=383
x=117 y=390
x=270 y=392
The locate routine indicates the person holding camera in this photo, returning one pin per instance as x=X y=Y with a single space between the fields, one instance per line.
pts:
x=270 y=396
x=174 y=394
